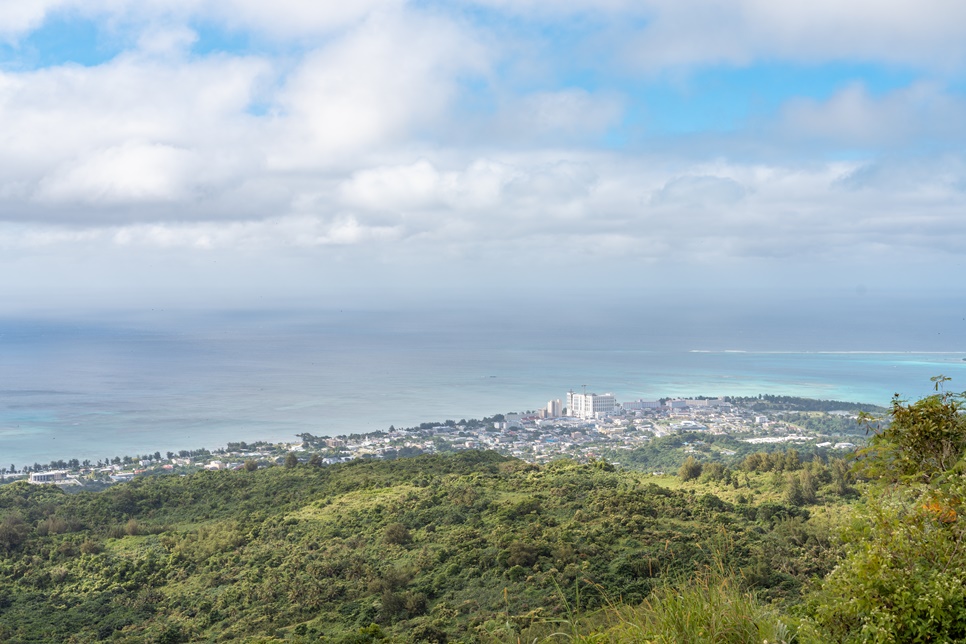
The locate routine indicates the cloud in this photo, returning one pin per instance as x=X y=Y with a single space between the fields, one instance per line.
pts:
x=280 y=19
x=654 y=34
x=375 y=85
x=683 y=33
x=609 y=215
x=293 y=231
x=408 y=136
x=289 y=18
x=942 y=177
x=700 y=191
x=17 y=18
x=570 y=115
x=166 y=42
x=136 y=128
x=922 y=113
x=417 y=185
x=127 y=173
x=481 y=193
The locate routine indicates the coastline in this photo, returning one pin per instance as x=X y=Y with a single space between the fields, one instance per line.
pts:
x=533 y=436
x=95 y=393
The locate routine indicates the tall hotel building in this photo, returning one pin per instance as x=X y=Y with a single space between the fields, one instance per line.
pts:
x=589 y=406
x=554 y=409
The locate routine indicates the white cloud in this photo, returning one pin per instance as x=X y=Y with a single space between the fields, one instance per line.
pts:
x=280 y=19
x=375 y=85
x=920 y=113
x=610 y=214
x=566 y=115
x=127 y=173
x=929 y=33
x=483 y=199
x=421 y=186
x=391 y=134
x=700 y=191
x=166 y=41
x=134 y=128
x=18 y=17
x=287 y=18
x=675 y=33
x=418 y=185
x=259 y=236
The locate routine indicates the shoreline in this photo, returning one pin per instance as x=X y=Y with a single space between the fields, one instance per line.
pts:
x=531 y=436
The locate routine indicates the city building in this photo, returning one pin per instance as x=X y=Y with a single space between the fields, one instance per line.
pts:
x=589 y=406
x=53 y=476
x=554 y=409
x=638 y=405
x=513 y=420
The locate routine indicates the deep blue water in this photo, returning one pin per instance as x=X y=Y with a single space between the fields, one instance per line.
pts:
x=100 y=388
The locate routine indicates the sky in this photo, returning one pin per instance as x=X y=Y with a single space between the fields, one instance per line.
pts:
x=243 y=154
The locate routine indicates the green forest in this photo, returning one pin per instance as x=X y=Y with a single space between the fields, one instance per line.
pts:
x=477 y=547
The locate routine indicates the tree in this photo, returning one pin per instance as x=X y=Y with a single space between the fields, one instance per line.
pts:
x=902 y=577
x=397 y=534
x=690 y=469
x=807 y=485
x=793 y=490
x=921 y=440
x=841 y=477
x=251 y=465
x=13 y=531
x=291 y=460
x=752 y=462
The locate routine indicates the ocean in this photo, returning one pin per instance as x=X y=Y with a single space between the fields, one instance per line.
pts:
x=95 y=388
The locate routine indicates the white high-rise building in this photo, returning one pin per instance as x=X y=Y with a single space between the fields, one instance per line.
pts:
x=589 y=406
x=554 y=408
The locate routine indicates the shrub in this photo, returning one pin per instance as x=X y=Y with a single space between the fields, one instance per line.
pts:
x=396 y=534
x=690 y=469
x=922 y=439
x=904 y=578
x=709 y=608
x=904 y=583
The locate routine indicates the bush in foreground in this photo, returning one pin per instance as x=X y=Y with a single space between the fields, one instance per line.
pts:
x=710 y=608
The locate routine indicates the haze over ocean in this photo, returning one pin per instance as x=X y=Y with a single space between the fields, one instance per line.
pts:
x=100 y=388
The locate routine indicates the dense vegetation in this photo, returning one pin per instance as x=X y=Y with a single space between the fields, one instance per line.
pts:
x=825 y=423
x=769 y=402
x=476 y=547
x=902 y=575
x=903 y=578
x=666 y=453
x=471 y=547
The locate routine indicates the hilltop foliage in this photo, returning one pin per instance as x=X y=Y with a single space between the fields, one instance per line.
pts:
x=768 y=402
x=904 y=575
x=471 y=547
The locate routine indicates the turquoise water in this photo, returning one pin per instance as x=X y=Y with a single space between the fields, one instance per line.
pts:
x=96 y=390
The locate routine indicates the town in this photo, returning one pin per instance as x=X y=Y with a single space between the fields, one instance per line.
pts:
x=583 y=426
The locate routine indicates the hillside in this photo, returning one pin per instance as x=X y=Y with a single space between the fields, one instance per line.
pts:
x=473 y=547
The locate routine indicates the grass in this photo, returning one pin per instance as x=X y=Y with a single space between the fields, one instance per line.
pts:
x=709 y=608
